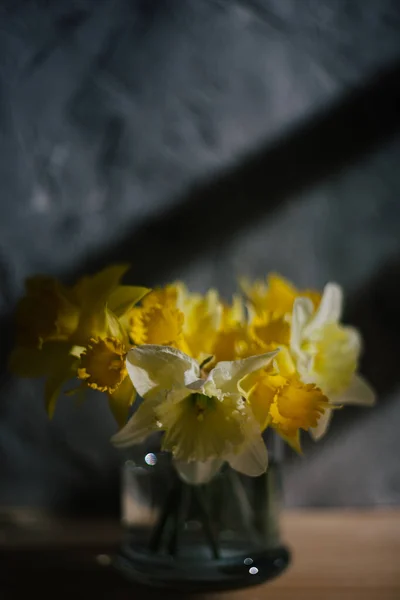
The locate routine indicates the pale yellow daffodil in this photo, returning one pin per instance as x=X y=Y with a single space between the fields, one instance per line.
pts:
x=205 y=419
x=327 y=353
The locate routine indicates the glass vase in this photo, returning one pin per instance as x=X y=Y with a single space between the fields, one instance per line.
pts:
x=217 y=536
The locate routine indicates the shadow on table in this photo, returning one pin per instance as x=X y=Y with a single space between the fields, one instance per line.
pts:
x=65 y=573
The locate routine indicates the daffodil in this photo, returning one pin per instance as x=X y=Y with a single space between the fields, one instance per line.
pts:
x=276 y=295
x=202 y=320
x=47 y=312
x=242 y=334
x=98 y=294
x=157 y=320
x=205 y=419
x=234 y=314
x=265 y=328
x=232 y=340
x=102 y=359
x=102 y=367
x=55 y=323
x=233 y=344
x=279 y=399
x=327 y=352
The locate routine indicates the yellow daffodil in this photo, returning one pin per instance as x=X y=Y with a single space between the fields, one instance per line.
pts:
x=157 y=324
x=55 y=323
x=279 y=399
x=204 y=418
x=265 y=329
x=157 y=320
x=234 y=314
x=276 y=295
x=47 y=312
x=327 y=352
x=102 y=367
x=235 y=343
x=202 y=320
x=213 y=375
x=232 y=340
x=96 y=294
x=241 y=336
x=102 y=364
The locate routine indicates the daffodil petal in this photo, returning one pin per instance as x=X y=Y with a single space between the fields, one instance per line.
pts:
x=65 y=371
x=197 y=473
x=227 y=374
x=302 y=311
x=329 y=310
x=321 y=428
x=121 y=401
x=238 y=313
x=196 y=386
x=253 y=460
x=153 y=368
x=359 y=393
x=113 y=326
x=293 y=440
x=124 y=297
x=93 y=293
x=140 y=425
x=97 y=288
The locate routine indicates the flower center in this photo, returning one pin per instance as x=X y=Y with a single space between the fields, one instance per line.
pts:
x=297 y=406
x=102 y=364
x=201 y=403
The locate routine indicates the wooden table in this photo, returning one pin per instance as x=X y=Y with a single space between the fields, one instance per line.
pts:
x=346 y=554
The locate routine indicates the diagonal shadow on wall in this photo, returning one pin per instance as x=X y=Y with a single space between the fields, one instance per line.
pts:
x=322 y=146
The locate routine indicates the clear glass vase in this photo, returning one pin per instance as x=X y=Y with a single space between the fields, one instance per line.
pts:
x=221 y=535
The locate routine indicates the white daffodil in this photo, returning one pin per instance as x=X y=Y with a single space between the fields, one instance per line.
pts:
x=205 y=419
x=327 y=353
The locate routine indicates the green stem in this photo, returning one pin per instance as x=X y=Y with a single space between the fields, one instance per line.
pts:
x=165 y=516
x=243 y=503
x=199 y=499
x=180 y=516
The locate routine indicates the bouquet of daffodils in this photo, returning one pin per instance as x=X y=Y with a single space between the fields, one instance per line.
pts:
x=212 y=376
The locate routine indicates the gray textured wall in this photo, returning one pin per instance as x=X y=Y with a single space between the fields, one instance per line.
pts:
x=202 y=139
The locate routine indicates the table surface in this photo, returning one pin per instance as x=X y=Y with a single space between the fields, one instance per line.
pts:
x=346 y=554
